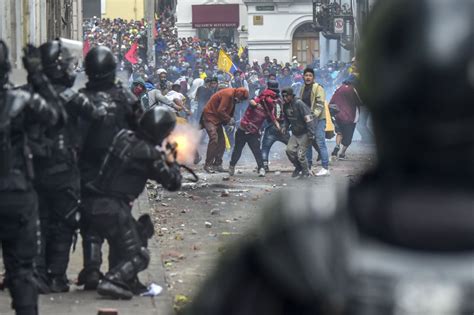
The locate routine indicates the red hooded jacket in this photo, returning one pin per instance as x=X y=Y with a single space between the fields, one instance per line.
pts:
x=255 y=116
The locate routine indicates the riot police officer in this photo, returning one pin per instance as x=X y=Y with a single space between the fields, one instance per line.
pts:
x=18 y=201
x=132 y=160
x=400 y=240
x=122 y=110
x=57 y=180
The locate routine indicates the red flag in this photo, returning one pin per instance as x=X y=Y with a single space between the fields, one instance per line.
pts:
x=86 y=47
x=131 y=55
x=155 y=30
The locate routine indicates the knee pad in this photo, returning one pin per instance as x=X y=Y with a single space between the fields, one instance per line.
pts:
x=141 y=259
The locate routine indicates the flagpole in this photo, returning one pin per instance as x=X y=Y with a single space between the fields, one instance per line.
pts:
x=150 y=19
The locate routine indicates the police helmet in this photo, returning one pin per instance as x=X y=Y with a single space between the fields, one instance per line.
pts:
x=418 y=87
x=100 y=64
x=157 y=123
x=58 y=63
x=5 y=65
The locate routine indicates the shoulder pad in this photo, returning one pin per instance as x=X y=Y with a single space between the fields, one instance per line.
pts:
x=19 y=99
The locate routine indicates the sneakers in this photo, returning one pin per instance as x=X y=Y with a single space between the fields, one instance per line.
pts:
x=296 y=172
x=265 y=167
x=261 y=172
x=335 y=151
x=304 y=175
x=342 y=157
x=209 y=169
x=323 y=172
x=219 y=169
x=231 y=170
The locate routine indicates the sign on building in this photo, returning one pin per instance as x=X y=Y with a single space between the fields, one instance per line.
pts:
x=338 y=25
x=258 y=20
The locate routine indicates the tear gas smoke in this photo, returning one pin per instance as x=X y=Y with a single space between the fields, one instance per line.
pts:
x=187 y=139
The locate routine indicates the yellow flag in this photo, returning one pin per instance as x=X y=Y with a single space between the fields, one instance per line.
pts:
x=241 y=51
x=224 y=63
x=227 y=141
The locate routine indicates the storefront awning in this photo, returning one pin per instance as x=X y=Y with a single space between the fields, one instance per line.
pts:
x=215 y=15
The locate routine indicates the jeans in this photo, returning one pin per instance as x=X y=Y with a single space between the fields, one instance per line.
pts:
x=253 y=140
x=320 y=142
x=271 y=136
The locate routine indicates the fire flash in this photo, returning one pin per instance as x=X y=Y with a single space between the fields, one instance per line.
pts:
x=187 y=139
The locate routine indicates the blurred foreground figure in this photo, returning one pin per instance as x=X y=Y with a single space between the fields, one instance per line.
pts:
x=401 y=241
x=19 y=111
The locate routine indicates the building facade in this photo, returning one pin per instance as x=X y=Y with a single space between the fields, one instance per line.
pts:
x=36 y=21
x=220 y=20
x=282 y=29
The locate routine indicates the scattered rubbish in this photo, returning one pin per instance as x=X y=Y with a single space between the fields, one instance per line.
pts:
x=277 y=173
x=215 y=211
x=208 y=224
x=225 y=193
x=194 y=232
x=226 y=178
x=153 y=290
x=164 y=204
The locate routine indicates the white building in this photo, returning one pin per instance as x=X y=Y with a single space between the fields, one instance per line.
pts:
x=216 y=19
x=283 y=28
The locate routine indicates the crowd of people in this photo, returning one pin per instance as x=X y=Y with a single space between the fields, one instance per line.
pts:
x=186 y=76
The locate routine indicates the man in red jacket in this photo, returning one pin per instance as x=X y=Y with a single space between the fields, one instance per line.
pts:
x=219 y=111
x=348 y=102
x=260 y=109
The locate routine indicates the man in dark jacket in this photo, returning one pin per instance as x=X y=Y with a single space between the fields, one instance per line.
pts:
x=300 y=121
x=132 y=159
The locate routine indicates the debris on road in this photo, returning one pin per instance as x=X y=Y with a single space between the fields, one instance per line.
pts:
x=153 y=290
x=208 y=224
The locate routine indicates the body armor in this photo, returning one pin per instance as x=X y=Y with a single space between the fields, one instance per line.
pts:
x=125 y=169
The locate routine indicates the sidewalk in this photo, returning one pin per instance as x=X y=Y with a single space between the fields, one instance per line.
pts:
x=80 y=302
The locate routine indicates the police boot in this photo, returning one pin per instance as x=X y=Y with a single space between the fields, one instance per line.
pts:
x=114 y=286
x=90 y=275
x=24 y=294
x=89 y=278
x=58 y=284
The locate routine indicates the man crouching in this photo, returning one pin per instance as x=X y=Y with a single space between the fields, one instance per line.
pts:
x=133 y=158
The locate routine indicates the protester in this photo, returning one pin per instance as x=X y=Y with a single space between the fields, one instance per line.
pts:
x=219 y=111
x=347 y=100
x=314 y=97
x=260 y=109
x=300 y=121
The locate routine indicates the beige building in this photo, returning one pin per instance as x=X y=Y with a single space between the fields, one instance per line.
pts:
x=36 y=21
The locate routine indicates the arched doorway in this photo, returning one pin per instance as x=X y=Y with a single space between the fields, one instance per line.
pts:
x=306 y=44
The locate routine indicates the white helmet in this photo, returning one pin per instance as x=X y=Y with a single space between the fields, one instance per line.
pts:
x=161 y=70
